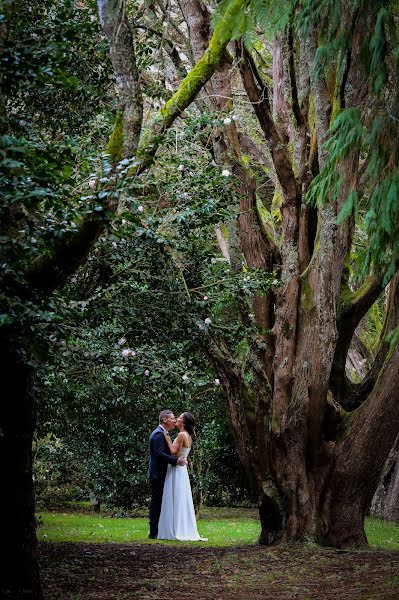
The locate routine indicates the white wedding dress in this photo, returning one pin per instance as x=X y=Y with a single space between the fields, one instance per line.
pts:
x=177 y=520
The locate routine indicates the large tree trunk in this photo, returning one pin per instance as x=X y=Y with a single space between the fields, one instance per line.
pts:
x=385 y=503
x=19 y=569
x=313 y=467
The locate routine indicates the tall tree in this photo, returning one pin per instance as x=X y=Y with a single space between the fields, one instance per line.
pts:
x=312 y=452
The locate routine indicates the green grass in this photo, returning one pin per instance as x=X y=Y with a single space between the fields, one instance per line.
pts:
x=381 y=534
x=72 y=527
x=222 y=527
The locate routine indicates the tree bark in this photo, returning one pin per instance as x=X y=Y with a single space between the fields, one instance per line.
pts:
x=310 y=478
x=19 y=573
x=117 y=28
x=385 y=503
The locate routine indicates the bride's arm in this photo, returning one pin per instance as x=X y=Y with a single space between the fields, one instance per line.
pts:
x=175 y=446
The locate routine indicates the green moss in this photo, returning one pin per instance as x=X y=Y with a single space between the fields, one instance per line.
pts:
x=225 y=30
x=242 y=350
x=307 y=299
x=347 y=298
x=267 y=221
x=229 y=27
x=225 y=231
x=115 y=144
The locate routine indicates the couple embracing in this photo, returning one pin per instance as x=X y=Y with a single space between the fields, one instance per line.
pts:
x=172 y=515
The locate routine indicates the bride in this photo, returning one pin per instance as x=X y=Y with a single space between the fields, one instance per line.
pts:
x=177 y=520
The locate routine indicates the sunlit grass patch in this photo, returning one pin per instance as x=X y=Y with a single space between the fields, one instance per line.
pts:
x=382 y=534
x=72 y=527
x=222 y=527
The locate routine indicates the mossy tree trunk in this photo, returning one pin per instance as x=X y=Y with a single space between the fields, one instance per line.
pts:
x=305 y=446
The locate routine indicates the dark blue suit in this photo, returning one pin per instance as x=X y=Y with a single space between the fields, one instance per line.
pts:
x=160 y=457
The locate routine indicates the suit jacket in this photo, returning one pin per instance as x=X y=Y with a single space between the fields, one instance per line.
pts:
x=160 y=455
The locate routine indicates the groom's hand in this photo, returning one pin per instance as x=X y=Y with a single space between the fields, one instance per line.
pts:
x=182 y=461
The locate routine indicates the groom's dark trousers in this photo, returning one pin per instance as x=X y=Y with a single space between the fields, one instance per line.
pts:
x=160 y=457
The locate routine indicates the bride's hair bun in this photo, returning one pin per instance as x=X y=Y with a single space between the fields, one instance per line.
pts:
x=189 y=423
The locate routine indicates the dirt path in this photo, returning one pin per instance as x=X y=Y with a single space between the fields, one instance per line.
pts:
x=158 y=572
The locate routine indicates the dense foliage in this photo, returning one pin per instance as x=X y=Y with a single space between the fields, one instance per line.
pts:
x=59 y=110
x=129 y=334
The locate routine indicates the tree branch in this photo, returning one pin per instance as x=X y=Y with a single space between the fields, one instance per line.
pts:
x=117 y=29
x=190 y=86
x=364 y=429
x=355 y=394
x=258 y=95
x=352 y=306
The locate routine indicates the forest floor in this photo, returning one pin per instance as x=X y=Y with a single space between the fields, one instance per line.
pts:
x=109 y=571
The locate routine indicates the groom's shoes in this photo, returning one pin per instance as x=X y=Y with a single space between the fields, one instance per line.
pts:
x=152 y=537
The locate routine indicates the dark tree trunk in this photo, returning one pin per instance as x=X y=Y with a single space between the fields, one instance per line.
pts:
x=385 y=503
x=313 y=467
x=19 y=568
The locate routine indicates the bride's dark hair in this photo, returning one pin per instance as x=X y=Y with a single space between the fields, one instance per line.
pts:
x=189 y=423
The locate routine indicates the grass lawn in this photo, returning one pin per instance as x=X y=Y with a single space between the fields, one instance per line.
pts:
x=222 y=527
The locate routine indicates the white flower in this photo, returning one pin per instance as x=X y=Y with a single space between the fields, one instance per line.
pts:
x=146 y=372
x=114 y=245
x=235 y=117
x=208 y=321
x=251 y=316
x=213 y=260
x=185 y=377
x=275 y=281
x=217 y=381
x=93 y=18
x=92 y=183
x=133 y=353
x=227 y=121
x=226 y=173
x=122 y=341
x=124 y=221
x=180 y=168
x=205 y=297
x=33 y=240
x=140 y=208
x=126 y=352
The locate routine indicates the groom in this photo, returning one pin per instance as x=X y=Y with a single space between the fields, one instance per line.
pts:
x=159 y=458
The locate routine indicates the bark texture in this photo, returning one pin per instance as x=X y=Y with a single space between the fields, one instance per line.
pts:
x=385 y=503
x=310 y=450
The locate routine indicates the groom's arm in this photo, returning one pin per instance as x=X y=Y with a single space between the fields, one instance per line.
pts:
x=157 y=447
